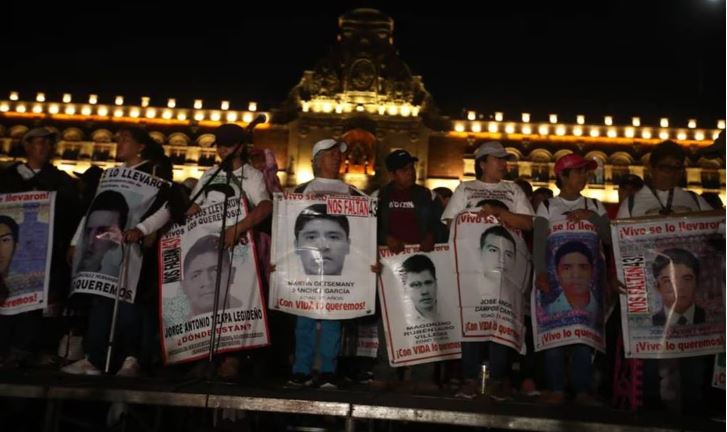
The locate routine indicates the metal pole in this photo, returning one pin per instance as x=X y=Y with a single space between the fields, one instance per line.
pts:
x=122 y=283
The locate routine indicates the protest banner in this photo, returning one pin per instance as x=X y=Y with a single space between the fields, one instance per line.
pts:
x=189 y=266
x=571 y=310
x=672 y=271
x=323 y=248
x=718 y=373
x=418 y=297
x=26 y=245
x=493 y=268
x=123 y=197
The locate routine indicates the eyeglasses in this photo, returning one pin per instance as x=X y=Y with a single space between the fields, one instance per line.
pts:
x=670 y=168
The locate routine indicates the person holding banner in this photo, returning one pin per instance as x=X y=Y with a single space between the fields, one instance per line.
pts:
x=568 y=228
x=105 y=227
x=507 y=202
x=662 y=195
x=326 y=159
x=23 y=334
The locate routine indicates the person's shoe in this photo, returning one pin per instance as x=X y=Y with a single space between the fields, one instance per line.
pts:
x=585 y=399
x=364 y=377
x=299 y=380
x=551 y=398
x=528 y=388
x=327 y=381
x=70 y=348
x=81 y=367
x=499 y=391
x=229 y=369
x=130 y=368
x=468 y=390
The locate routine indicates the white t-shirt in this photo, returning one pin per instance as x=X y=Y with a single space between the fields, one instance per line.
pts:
x=320 y=186
x=469 y=194
x=645 y=203
x=246 y=177
x=558 y=207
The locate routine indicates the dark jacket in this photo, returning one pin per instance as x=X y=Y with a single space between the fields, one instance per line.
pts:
x=423 y=208
x=659 y=318
x=66 y=216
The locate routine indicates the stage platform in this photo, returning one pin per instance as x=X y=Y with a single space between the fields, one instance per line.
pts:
x=353 y=405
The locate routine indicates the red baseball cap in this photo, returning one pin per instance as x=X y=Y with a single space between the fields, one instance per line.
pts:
x=574 y=161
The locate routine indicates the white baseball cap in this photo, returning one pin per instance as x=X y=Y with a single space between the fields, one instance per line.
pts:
x=493 y=148
x=326 y=144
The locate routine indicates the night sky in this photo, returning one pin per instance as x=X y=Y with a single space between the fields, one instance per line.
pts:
x=647 y=58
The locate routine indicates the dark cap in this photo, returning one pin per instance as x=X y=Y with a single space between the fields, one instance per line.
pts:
x=398 y=159
x=630 y=180
x=91 y=175
x=229 y=135
x=39 y=132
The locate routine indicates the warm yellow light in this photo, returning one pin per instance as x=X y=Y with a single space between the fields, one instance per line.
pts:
x=382 y=110
x=4 y=107
x=102 y=111
x=405 y=110
x=415 y=111
x=492 y=127
x=471 y=115
x=151 y=113
x=498 y=116
x=198 y=104
x=611 y=133
x=167 y=114
x=327 y=107
x=135 y=112
x=663 y=135
x=392 y=109
x=459 y=127
x=40 y=97
x=144 y=101
x=93 y=99
x=231 y=117
x=692 y=123
x=629 y=132
x=699 y=135
x=86 y=110
x=720 y=124
x=37 y=108
x=527 y=130
x=54 y=108
x=360 y=108
x=715 y=135
x=67 y=98
x=646 y=133
x=339 y=108
x=119 y=100
x=225 y=105
x=252 y=106
x=14 y=96
x=305 y=106
x=304 y=174
x=560 y=130
x=664 y=122
x=577 y=130
x=553 y=118
x=215 y=116
x=247 y=117
x=635 y=121
x=171 y=103
x=594 y=132
x=543 y=129
x=476 y=127
x=199 y=115
x=608 y=121
x=580 y=119
x=21 y=108
x=70 y=110
x=181 y=116
x=118 y=112
x=526 y=117
x=681 y=135
x=510 y=128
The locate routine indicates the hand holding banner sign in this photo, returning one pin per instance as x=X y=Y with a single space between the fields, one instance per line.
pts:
x=323 y=248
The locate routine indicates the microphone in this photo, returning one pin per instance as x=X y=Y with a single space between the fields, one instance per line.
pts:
x=261 y=118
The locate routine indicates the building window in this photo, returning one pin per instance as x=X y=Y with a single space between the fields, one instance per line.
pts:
x=540 y=172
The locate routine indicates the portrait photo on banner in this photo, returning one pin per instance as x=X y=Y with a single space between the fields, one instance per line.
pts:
x=418 y=296
x=493 y=267
x=323 y=249
x=26 y=242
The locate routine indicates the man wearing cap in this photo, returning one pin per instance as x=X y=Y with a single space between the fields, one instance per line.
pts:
x=326 y=159
x=23 y=331
x=512 y=210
